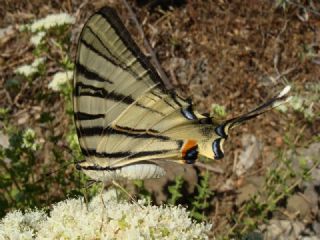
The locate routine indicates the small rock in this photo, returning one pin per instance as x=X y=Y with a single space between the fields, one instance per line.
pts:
x=245 y=193
x=249 y=155
x=229 y=185
x=312 y=197
x=254 y=184
x=310 y=238
x=298 y=204
x=4 y=140
x=316 y=227
x=6 y=31
x=282 y=230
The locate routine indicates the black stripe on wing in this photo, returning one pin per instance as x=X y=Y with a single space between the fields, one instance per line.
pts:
x=97 y=131
x=135 y=130
x=126 y=154
x=111 y=16
x=112 y=59
x=163 y=98
x=87 y=116
x=82 y=89
x=82 y=70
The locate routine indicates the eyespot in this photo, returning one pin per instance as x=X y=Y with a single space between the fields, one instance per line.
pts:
x=217 y=150
x=190 y=151
x=191 y=155
x=188 y=113
x=220 y=131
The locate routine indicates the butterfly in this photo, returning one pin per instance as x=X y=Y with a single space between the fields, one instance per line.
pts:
x=126 y=120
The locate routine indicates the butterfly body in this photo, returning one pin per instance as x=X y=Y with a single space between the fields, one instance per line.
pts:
x=126 y=120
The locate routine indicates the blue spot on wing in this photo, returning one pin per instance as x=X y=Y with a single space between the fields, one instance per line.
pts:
x=191 y=155
x=188 y=113
x=216 y=148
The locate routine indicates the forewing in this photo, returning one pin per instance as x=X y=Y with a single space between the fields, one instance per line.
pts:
x=121 y=105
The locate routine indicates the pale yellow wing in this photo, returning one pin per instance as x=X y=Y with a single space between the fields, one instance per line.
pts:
x=121 y=105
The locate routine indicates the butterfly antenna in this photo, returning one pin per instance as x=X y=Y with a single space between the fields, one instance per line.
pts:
x=48 y=174
x=67 y=164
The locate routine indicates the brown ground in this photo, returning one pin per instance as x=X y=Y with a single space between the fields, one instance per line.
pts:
x=236 y=54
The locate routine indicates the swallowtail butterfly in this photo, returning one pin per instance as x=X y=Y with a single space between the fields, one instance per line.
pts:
x=126 y=119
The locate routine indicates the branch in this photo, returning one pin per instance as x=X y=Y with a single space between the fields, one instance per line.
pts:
x=154 y=59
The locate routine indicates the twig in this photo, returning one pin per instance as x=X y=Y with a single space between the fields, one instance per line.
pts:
x=209 y=168
x=11 y=173
x=283 y=74
x=299 y=135
x=17 y=98
x=148 y=47
x=305 y=7
x=8 y=96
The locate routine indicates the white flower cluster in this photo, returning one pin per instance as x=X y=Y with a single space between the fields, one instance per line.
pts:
x=39 y=27
x=29 y=140
x=72 y=219
x=16 y=225
x=37 y=38
x=29 y=70
x=51 y=21
x=59 y=79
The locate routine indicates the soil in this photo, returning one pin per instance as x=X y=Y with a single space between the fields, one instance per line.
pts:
x=233 y=53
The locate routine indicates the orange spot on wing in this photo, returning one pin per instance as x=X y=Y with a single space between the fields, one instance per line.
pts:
x=190 y=143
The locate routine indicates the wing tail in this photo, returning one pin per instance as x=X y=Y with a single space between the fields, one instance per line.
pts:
x=274 y=102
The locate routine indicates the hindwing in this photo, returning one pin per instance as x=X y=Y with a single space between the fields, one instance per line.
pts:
x=121 y=107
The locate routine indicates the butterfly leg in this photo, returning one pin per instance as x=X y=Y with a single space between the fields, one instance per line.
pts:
x=116 y=184
x=84 y=191
x=104 y=206
x=85 y=197
x=101 y=194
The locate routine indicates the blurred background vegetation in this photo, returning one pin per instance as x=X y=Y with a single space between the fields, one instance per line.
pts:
x=228 y=56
